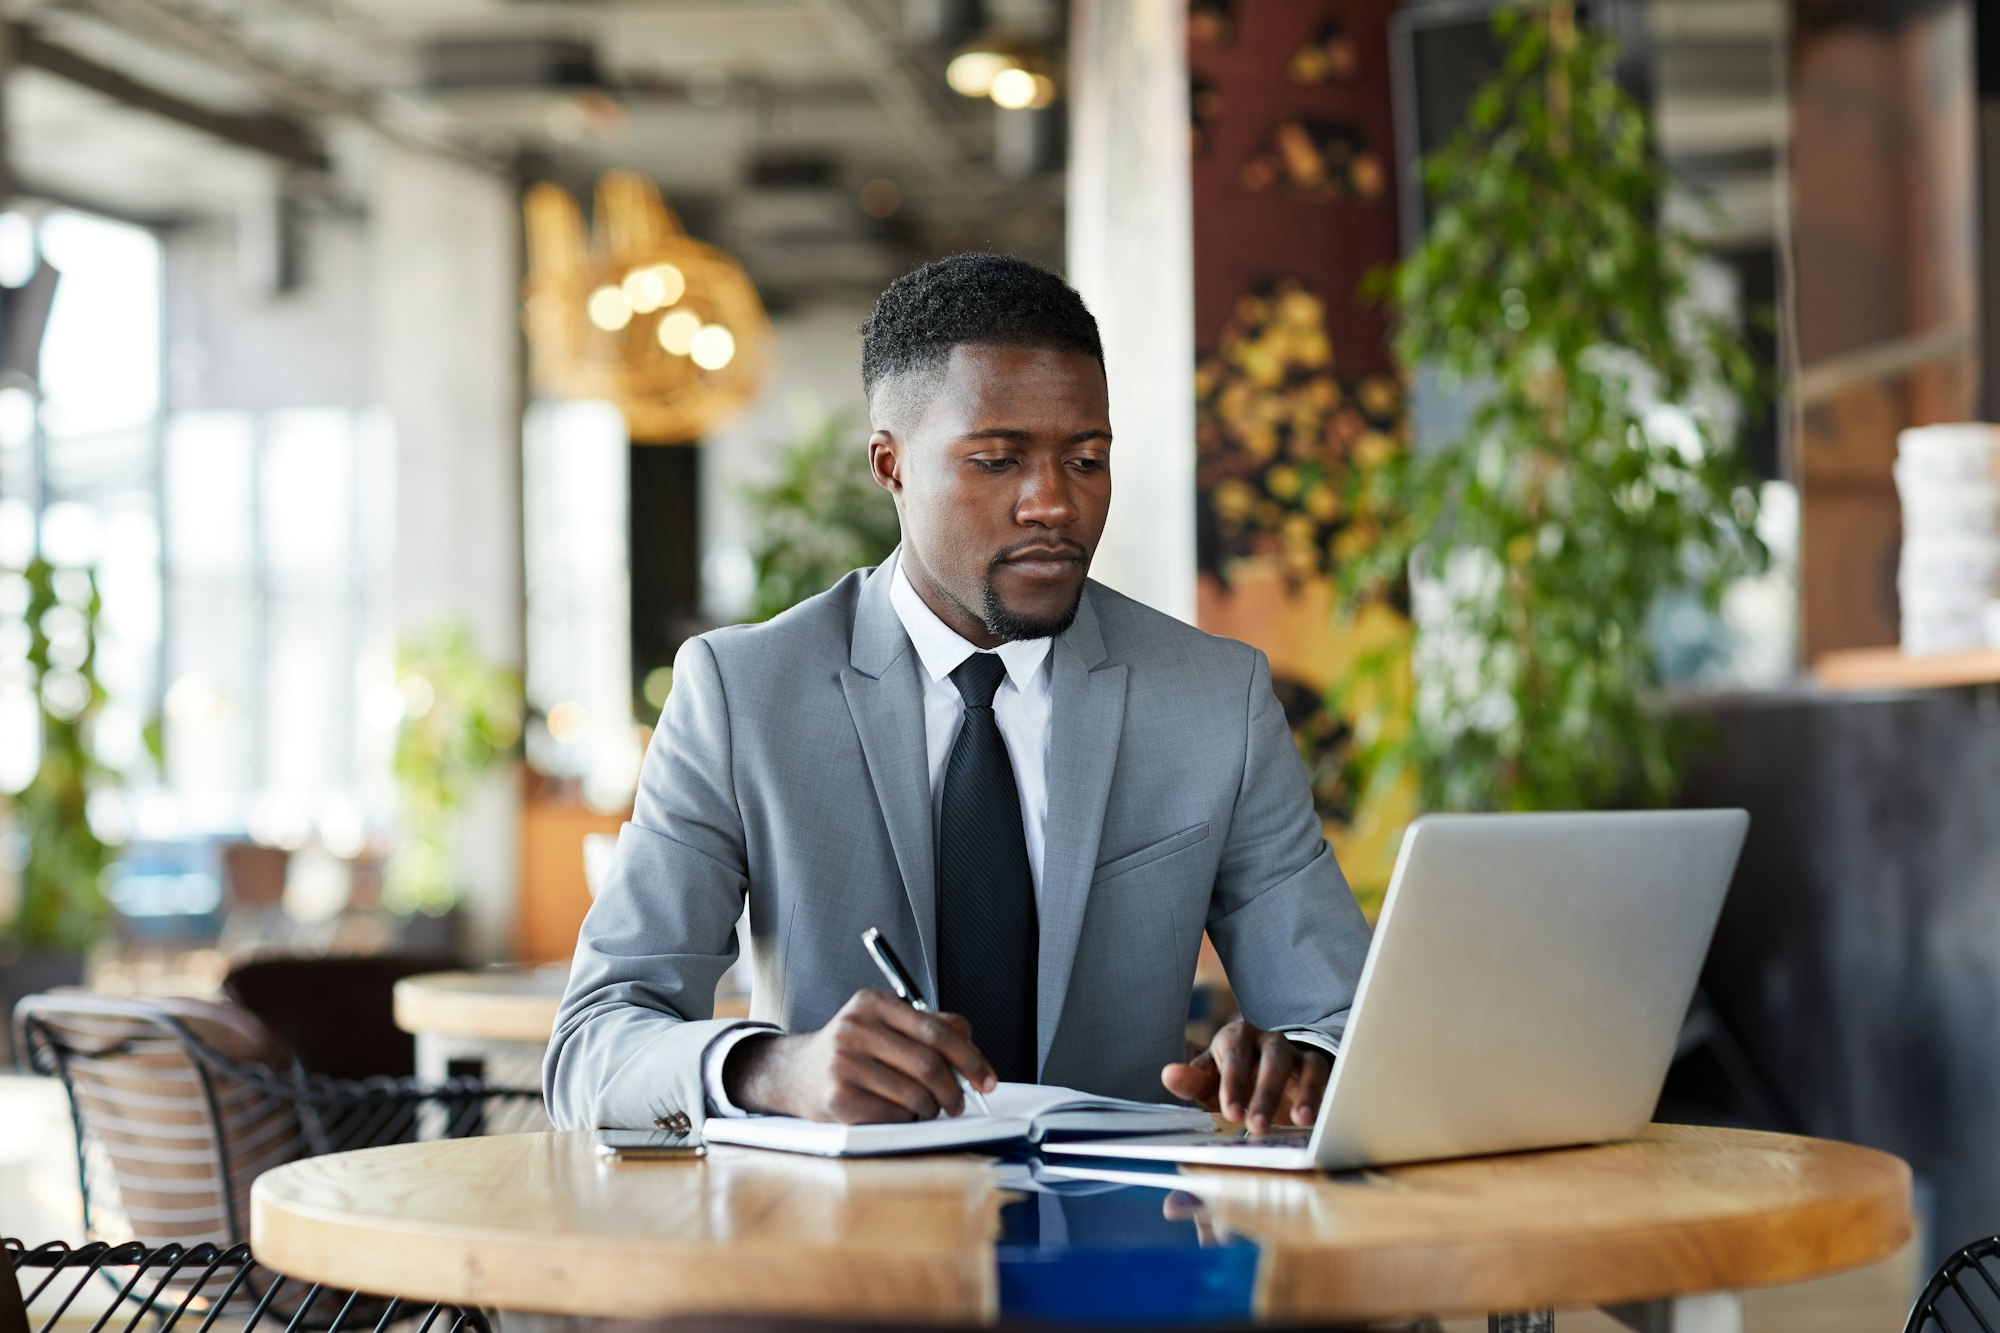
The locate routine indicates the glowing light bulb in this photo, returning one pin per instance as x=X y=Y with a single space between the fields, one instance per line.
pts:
x=678 y=329
x=673 y=283
x=971 y=73
x=713 y=347
x=1019 y=90
x=644 y=290
x=608 y=309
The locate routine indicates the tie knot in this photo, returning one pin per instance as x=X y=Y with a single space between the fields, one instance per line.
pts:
x=977 y=677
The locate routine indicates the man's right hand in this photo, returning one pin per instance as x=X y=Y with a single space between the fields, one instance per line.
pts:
x=878 y=1061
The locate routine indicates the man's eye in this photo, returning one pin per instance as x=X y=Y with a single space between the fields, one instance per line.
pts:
x=1088 y=464
x=993 y=464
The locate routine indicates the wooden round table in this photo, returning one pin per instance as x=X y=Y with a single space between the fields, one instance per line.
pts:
x=502 y=1004
x=498 y=1016
x=537 y=1222
x=487 y=1022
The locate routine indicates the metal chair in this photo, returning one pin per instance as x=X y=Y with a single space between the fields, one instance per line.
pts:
x=1964 y=1295
x=200 y=1284
x=179 y=1105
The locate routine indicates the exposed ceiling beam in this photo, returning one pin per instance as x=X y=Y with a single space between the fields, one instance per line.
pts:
x=272 y=135
x=303 y=91
x=905 y=98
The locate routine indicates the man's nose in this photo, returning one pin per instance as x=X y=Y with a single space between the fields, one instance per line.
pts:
x=1046 y=499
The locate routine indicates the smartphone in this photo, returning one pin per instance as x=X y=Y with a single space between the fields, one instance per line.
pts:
x=646 y=1145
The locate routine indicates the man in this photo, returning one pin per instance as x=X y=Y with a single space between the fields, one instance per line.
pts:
x=1041 y=791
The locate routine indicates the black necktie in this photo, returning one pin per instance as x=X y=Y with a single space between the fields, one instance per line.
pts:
x=987 y=936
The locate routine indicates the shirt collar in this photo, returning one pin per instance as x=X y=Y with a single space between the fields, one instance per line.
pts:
x=941 y=648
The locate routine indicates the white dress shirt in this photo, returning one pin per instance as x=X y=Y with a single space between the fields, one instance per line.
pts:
x=1020 y=707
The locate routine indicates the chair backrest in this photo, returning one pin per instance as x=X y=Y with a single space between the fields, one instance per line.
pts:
x=13 y=1309
x=1964 y=1296
x=98 y=1288
x=336 y=1014
x=169 y=1136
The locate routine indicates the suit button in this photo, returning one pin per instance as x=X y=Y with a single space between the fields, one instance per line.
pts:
x=677 y=1123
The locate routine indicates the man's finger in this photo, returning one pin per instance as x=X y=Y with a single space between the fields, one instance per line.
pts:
x=1193 y=1080
x=1309 y=1086
x=1275 y=1063
x=952 y=1040
x=909 y=1096
x=851 y=1105
x=1235 y=1063
x=917 y=1062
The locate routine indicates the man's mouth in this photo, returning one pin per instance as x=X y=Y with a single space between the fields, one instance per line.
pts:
x=1044 y=562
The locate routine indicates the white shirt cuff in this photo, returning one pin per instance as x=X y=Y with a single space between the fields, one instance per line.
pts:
x=1303 y=1036
x=716 y=1056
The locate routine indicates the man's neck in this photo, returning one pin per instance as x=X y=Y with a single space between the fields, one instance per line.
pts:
x=958 y=619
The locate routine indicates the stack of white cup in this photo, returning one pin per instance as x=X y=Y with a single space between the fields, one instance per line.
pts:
x=1949 y=480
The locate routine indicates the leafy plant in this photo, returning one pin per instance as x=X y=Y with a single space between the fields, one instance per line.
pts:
x=461 y=716
x=822 y=517
x=1598 y=472
x=62 y=903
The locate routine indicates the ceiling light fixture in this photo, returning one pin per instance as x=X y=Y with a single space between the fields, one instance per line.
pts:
x=702 y=357
x=713 y=347
x=609 y=310
x=677 y=330
x=1022 y=90
x=972 y=71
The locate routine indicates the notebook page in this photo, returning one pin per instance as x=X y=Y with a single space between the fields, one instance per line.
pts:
x=1027 y=1101
x=789 y=1134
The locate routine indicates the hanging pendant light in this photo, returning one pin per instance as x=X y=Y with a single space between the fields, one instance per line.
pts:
x=638 y=312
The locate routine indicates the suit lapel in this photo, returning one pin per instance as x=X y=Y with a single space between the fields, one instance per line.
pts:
x=885 y=697
x=1087 y=712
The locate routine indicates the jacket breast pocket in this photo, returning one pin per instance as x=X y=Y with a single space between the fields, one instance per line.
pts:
x=1151 y=852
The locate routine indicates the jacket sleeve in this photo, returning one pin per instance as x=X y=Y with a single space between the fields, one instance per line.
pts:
x=635 y=1019
x=1282 y=918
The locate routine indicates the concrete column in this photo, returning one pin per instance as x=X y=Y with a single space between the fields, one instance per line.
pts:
x=445 y=366
x=1131 y=256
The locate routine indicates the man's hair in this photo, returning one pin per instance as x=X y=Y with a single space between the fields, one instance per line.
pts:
x=970 y=298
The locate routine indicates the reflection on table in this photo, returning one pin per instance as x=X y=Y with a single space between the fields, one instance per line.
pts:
x=538 y=1222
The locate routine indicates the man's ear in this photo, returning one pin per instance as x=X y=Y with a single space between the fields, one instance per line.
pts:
x=885 y=461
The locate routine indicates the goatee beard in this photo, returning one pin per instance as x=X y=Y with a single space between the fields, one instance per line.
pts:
x=1010 y=626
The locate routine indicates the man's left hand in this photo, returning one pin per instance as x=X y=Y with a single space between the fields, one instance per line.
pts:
x=1245 y=1073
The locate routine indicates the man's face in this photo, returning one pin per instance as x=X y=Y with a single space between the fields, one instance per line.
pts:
x=1002 y=478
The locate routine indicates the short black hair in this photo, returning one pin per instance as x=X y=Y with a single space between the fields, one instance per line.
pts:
x=971 y=298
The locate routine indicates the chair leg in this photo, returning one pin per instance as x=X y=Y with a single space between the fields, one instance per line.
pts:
x=1522 y=1321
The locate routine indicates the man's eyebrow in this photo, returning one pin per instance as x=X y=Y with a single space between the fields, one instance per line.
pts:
x=1015 y=435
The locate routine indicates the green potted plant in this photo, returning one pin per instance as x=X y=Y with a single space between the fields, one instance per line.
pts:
x=59 y=907
x=1597 y=473
x=461 y=717
x=821 y=517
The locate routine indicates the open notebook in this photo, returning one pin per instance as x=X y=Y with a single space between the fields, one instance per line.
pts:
x=1021 y=1111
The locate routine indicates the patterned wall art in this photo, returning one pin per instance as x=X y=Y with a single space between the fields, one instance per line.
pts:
x=1276 y=429
x=1332 y=55
x=1212 y=22
x=1293 y=205
x=1319 y=159
x=1204 y=108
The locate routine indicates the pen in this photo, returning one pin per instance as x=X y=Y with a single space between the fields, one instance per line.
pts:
x=892 y=972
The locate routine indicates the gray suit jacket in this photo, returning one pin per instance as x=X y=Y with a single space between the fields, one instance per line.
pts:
x=789 y=769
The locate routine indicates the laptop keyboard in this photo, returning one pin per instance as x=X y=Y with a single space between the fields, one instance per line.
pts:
x=1278 y=1136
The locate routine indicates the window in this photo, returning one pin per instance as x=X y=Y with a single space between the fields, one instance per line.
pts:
x=243 y=560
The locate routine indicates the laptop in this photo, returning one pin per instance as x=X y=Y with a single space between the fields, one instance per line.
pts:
x=1524 y=989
